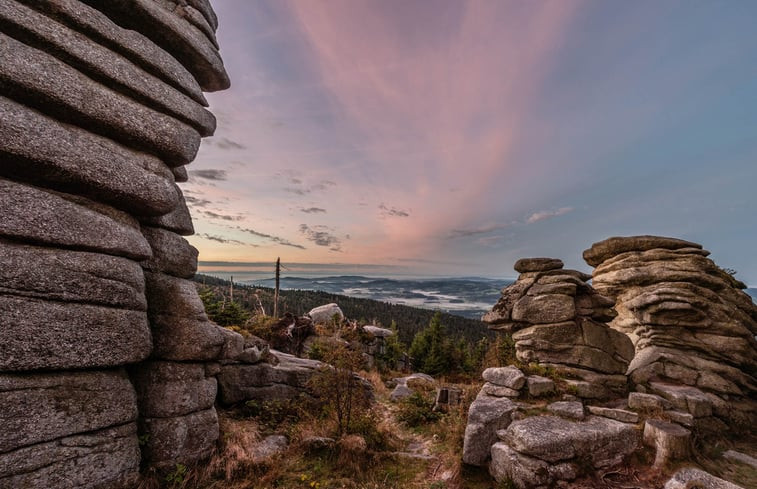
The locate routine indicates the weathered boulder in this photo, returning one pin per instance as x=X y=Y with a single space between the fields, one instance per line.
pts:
x=509 y=376
x=556 y=320
x=486 y=415
x=325 y=313
x=539 y=386
x=690 y=323
x=602 y=441
x=263 y=381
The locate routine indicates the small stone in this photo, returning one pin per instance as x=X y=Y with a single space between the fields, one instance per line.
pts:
x=270 y=446
x=740 y=457
x=499 y=391
x=685 y=419
x=567 y=409
x=509 y=376
x=647 y=402
x=617 y=414
x=690 y=478
x=539 y=386
x=525 y=265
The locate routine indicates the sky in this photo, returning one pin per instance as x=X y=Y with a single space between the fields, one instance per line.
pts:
x=450 y=138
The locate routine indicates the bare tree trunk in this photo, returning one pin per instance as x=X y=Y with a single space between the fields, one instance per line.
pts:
x=276 y=293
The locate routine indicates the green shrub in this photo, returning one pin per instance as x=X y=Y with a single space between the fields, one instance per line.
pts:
x=416 y=410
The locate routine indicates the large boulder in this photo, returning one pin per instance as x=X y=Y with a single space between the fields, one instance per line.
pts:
x=325 y=313
x=689 y=320
x=486 y=415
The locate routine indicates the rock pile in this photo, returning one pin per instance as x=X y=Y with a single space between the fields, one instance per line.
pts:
x=102 y=107
x=692 y=327
x=558 y=320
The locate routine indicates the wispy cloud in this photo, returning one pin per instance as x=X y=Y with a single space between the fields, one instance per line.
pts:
x=542 y=215
x=457 y=233
x=313 y=210
x=196 y=201
x=275 y=239
x=321 y=236
x=225 y=217
x=221 y=239
x=216 y=175
x=224 y=143
x=490 y=241
x=392 y=211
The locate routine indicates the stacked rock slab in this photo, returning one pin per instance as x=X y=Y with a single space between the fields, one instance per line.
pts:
x=101 y=106
x=558 y=320
x=692 y=326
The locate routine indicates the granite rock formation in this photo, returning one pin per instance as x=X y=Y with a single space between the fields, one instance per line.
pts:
x=692 y=326
x=102 y=104
x=558 y=320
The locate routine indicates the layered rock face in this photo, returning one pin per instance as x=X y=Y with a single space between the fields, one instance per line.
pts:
x=101 y=107
x=692 y=327
x=557 y=320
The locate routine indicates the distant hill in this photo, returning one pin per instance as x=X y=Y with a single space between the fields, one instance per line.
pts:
x=409 y=320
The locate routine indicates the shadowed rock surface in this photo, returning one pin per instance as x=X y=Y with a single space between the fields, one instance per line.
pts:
x=102 y=107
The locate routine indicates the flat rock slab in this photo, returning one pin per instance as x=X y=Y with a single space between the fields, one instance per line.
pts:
x=539 y=386
x=690 y=478
x=52 y=86
x=98 y=61
x=40 y=149
x=71 y=276
x=47 y=406
x=55 y=335
x=688 y=398
x=486 y=415
x=610 y=247
x=38 y=216
x=525 y=265
x=616 y=414
x=567 y=409
x=603 y=441
x=640 y=401
x=130 y=43
x=544 y=309
x=175 y=35
x=107 y=458
x=510 y=377
x=526 y=472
